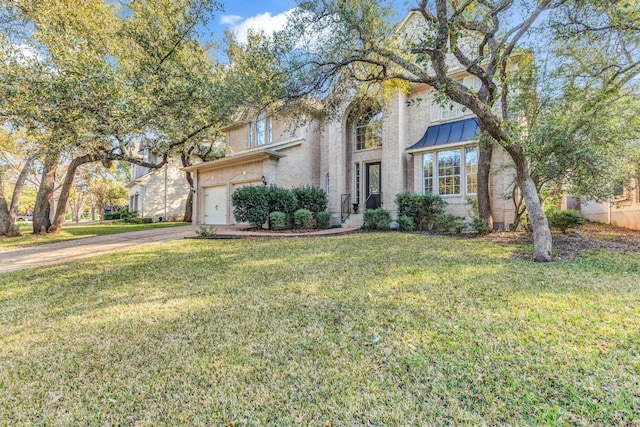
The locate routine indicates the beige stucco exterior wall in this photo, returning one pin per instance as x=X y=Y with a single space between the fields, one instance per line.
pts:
x=623 y=212
x=295 y=163
x=501 y=181
x=162 y=193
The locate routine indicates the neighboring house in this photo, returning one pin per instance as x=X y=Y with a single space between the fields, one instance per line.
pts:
x=361 y=161
x=623 y=210
x=160 y=194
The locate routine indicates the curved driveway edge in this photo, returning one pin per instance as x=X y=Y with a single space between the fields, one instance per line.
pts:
x=54 y=253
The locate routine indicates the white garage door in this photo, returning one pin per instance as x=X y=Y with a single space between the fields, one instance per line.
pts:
x=215 y=205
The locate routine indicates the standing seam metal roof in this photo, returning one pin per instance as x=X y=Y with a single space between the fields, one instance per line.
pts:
x=447 y=133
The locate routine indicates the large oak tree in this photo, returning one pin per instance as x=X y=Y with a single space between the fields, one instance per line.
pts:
x=333 y=48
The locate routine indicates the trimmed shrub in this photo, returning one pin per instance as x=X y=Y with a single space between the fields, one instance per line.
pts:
x=448 y=222
x=126 y=215
x=277 y=220
x=281 y=200
x=311 y=198
x=405 y=222
x=323 y=219
x=422 y=208
x=376 y=219
x=251 y=204
x=302 y=218
x=564 y=220
x=146 y=220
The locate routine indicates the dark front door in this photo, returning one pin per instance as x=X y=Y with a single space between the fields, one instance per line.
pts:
x=373 y=185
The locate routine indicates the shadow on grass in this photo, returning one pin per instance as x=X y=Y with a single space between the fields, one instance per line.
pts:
x=367 y=329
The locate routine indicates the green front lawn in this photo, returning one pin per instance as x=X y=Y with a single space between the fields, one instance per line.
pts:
x=72 y=232
x=364 y=329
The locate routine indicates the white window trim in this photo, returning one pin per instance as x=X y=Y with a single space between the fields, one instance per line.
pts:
x=356 y=127
x=435 y=176
x=437 y=110
x=267 y=131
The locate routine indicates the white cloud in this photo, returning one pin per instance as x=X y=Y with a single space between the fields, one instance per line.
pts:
x=230 y=19
x=262 y=22
x=24 y=53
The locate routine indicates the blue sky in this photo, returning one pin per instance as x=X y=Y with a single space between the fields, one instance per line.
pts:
x=268 y=15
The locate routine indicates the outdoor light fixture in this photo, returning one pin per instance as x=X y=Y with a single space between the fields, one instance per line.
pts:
x=264 y=180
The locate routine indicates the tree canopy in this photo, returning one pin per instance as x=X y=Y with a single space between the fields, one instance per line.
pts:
x=334 y=50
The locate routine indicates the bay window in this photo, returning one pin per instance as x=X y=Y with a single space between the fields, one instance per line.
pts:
x=450 y=172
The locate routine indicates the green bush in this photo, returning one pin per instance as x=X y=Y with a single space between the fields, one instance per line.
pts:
x=251 y=204
x=302 y=218
x=323 y=219
x=564 y=220
x=110 y=216
x=405 y=222
x=376 y=219
x=448 y=222
x=480 y=225
x=126 y=215
x=281 y=200
x=312 y=198
x=277 y=220
x=477 y=223
x=146 y=220
x=422 y=208
x=135 y=221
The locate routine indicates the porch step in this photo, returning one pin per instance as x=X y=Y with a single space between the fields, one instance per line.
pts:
x=354 y=221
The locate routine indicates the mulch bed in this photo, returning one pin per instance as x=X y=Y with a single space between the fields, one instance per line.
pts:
x=585 y=238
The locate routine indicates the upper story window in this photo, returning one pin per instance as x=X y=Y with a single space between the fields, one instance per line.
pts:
x=452 y=110
x=260 y=131
x=368 y=130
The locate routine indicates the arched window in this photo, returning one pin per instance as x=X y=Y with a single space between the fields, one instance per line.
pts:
x=368 y=130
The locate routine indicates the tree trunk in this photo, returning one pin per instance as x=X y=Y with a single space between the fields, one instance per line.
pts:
x=63 y=198
x=44 y=199
x=8 y=225
x=542 y=242
x=188 y=208
x=485 y=152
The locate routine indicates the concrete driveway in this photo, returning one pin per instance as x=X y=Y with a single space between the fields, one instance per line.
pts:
x=39 y=256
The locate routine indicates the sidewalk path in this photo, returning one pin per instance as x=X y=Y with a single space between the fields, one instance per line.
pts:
x=43 y=255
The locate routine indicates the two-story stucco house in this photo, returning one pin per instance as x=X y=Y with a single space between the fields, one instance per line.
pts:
x=159 y=194
x=362 y=160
